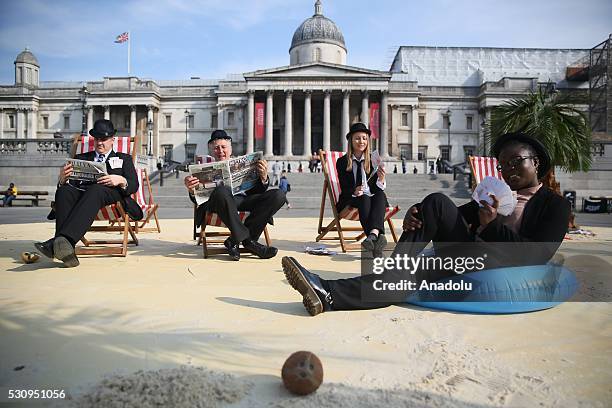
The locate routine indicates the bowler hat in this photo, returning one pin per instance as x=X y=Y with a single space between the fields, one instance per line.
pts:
x=358 y=127
x=219 y=134
x=103 y=128
x=541 y=150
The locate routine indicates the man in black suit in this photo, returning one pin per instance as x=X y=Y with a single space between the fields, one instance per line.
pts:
x=261 y=202
x=530 y=235
x=77 y=202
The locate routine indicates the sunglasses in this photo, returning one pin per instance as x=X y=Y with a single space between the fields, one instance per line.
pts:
x=512 y=163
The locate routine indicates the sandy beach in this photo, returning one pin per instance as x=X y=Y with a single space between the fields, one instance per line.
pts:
x=164 y=307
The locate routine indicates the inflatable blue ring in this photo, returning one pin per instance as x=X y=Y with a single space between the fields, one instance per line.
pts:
x=501 y=290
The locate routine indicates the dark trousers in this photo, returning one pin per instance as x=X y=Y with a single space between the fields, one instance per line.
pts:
x=75 y=210
x=371 y=211
x=261 y=207
x=442 y=223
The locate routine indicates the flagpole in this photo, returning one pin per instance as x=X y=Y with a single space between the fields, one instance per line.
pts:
x=129 y=46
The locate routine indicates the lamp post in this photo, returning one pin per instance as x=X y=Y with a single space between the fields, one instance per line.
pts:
x=448 y=115
x=83 y=94
x=186 y=126
x=150 y=137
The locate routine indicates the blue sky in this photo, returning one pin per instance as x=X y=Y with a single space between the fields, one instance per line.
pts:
x=177 y=39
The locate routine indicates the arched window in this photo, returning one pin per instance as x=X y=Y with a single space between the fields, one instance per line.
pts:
x=316 y=54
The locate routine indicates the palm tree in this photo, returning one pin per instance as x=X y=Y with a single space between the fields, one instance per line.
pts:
x=553 y=119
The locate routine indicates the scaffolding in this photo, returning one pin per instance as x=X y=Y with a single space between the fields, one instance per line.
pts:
x=600 y=90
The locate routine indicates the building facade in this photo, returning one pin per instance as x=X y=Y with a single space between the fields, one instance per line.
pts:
x=431 y=103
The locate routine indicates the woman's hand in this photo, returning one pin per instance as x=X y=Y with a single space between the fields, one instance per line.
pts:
x=488 y=212
x=381 y=174
x=411 y=222
x=358 y=191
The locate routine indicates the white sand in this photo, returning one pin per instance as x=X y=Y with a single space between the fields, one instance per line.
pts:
x=164 y=307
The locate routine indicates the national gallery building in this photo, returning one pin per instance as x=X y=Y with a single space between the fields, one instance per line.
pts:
x=432 y=102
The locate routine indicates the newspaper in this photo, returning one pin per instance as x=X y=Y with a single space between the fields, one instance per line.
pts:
x=86 y=171
x=376 y=162
x=239 y=174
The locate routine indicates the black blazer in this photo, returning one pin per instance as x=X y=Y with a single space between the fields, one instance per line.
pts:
x=545 y=220
x=347 y=183
x=200 y=210
x=128 y=171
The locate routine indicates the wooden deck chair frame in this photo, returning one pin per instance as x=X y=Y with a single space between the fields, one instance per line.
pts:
x=335 y=225
x=216 y=238
x=482 y=166
x=113 y=214
x=150 y=207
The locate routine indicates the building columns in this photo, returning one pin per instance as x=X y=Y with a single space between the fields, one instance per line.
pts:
x=326 y=120
x=250 y=122
x=345 y=118
x=132 y=120
x=106 y=112
x=415 y=132
x=19 y=124
x=269 y=123
x=384 y=125
x=365 y=108
x=307 y=124
x=90 y=112
x=288 y=151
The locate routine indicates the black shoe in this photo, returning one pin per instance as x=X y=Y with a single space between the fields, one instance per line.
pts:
x=45 y=248
x=315 y=297
x=64 y=251
x=379 y=246
x=232 y=249
x=262 y=251
x=368 y=243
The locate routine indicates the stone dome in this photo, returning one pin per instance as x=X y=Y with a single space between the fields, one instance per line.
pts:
x=27 y=57
x=319 y=29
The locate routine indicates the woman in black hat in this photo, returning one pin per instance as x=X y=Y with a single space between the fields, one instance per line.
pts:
x=361 y=191
x=530 y=235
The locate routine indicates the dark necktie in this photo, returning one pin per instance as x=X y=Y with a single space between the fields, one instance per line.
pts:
x=100 y=158
x=359 y=179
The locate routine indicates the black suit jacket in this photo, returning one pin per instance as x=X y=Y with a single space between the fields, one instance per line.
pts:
x=200 y=210
x=128 y=171
x=347 y=183
x=545 y=220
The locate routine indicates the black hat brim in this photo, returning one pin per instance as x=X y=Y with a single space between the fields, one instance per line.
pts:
x=349 y=134
x=101 y=135
x=545 y=161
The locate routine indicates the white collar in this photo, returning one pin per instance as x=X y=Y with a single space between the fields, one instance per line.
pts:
x=359 y=160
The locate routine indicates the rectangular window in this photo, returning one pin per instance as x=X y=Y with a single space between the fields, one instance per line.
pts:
x=45 y=122
x=66 y=122
x=230 y=119
x=404 y=118
x=19 y=75
x=190 y=151
x=421 y=121
x=469 y=119
x=168 y=121
x=191 y=121
x=445 y=152
x=167 y=151
x=406 y=151
x=11 y=121
x=213 y=121
x=422 y=152
x=445 y=121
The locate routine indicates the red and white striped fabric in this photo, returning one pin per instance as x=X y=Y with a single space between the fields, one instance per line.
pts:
x=331 y=158
x=214 y=220
x=140 y=194
x=484 y=167
x=121 y=144
x=108 y=213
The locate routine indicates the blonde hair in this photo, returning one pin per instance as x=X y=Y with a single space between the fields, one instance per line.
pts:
x=367 y=165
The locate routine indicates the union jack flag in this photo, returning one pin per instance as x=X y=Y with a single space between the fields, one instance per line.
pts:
x=121 y=38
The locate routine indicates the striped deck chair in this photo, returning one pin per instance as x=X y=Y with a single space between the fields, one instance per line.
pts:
x=218 y=237
x=111 y=214
x=331 y=188
x=145 y=201
x=483 y=167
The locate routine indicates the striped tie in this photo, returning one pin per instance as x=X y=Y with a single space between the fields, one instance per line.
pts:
x=100 y=158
